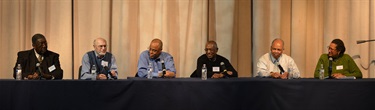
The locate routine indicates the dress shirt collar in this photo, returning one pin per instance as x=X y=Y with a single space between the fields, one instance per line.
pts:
x=212 y=59
x=97 y=55
x=37 y=55
x=155 y=59
x=274 y=60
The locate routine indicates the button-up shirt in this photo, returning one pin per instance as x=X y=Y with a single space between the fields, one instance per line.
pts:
x=267 y=64
x=145 y=59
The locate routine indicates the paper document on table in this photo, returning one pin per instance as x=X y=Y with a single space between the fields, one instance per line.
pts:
x=348 y=77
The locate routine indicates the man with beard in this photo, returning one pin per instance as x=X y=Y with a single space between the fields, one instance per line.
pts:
x=217 y=65
x=161 y=62
x=105 y=62
x=39 y=63
x=336 y=64
x=276 y=64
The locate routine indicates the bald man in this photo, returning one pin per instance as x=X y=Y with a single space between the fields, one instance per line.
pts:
x=213 y=63
x=104 y=62
x=156 y=56
x=272 y=64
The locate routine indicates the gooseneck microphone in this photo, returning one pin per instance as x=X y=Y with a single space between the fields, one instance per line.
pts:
x=330 y=67
x=222 y=64
x=108 y=72
x=281 y=68
x=363 y=41
x=39 y=70
x=163 y=67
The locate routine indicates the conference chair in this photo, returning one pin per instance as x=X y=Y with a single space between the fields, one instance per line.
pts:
x=79 y=72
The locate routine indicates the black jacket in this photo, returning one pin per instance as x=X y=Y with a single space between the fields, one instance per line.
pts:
x=28 y=61
x=203 y=59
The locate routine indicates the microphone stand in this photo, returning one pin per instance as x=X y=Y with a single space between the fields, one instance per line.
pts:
x=358 y=56
x=226 y=75
x=330 y=68
x=163 y=68
x=363 y=41
x=40 y=71
x=108 y=72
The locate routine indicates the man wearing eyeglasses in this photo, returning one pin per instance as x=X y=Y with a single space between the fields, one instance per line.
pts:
x=276 y=64
x=217 y=65
x=105 y=62
x=162 y=63
x=340 y=66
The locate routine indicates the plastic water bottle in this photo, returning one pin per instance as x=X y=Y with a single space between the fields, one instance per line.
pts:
x=19 y=72
x=321 y=72
x=149 y=71
x=93 y=72
x=204 y=72
x=290 y=73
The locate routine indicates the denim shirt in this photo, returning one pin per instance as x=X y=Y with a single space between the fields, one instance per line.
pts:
x=145 y=59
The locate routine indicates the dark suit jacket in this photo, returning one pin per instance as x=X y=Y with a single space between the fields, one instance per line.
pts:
x=28 y=61
x=203 y=59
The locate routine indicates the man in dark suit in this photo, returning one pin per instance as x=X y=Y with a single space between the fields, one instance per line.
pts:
x=39 y=63
x=217 y=65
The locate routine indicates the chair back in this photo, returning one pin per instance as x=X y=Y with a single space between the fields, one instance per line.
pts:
x=79 y=72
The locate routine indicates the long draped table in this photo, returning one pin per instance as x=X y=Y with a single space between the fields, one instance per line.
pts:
x=188 y=94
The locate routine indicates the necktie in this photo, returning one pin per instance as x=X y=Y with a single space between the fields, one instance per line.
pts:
x=280 y=67
x=40 y=58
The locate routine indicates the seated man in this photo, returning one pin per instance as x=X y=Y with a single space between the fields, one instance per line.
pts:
x=104 y=62
x=159 y=60
x=217 y=66
x=39 y=63
x=342 y=65
x=276 y=64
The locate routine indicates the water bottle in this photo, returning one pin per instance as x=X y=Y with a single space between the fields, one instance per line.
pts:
x=93 y=72
x=149 y=71
x=19 y=72
x=321 y=72
x=290 y=73
x=204 y=72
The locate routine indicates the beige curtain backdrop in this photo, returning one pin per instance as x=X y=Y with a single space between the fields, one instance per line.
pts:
x=243 y=29
x=308 y=27
x=21 y=19
x=128 y=25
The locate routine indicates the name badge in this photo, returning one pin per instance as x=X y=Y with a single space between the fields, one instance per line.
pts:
x=339 y=67
x=104 y=63
x=51 y=68
x=216 y=69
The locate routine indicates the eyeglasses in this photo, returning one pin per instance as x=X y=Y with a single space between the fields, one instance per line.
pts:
x=329 y=48
x=101 y=46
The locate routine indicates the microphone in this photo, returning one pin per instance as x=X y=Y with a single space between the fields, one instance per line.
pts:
x=222 y=64
x=163 y=67
x=363 y=41
x=106 y=69
x=39 y=70
x=281 y=68
x=330 y=67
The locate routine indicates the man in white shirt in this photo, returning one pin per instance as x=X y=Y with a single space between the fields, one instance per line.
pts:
x=276 y=64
